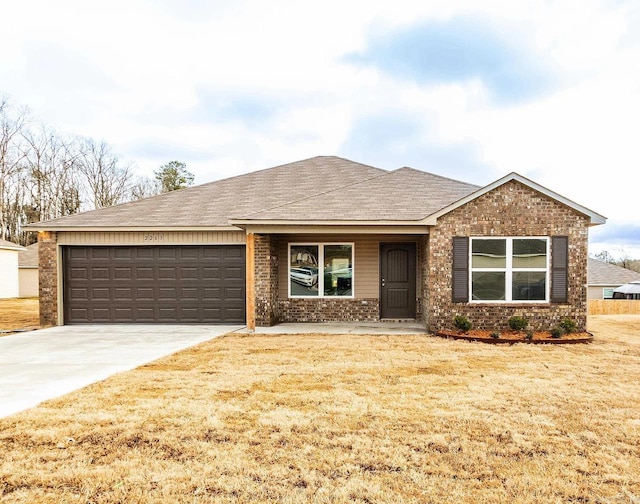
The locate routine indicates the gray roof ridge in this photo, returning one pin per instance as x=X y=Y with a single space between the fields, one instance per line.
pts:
x=314 y=195
x=282 y=165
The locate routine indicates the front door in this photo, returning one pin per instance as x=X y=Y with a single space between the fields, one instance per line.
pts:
x=397 y=280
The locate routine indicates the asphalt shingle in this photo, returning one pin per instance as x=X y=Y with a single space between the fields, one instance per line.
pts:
x=214 y=203
x=602 y=273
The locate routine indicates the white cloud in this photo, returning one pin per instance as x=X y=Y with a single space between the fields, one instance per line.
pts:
x=137 y=74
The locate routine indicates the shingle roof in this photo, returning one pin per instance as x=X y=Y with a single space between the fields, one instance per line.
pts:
x=401 y=195
x=213 y=204
x=28 y=258
x=602 y=273
x=7 y=245
x=323 y=189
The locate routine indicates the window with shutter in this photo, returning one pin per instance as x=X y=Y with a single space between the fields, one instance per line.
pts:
x=559 y=269
x=460 y=287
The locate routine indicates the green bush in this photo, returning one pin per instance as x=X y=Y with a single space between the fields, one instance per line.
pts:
x=557 y=332
x=568 y=325
x=462 y=323
x=495 y=334
x=518 y=323
x=529 y=335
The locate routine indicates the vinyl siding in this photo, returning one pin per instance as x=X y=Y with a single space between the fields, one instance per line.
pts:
x=151 y=238
x=8 y=273
x=28 y=282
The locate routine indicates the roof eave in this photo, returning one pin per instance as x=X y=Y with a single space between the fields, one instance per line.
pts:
x=44 y=227
x=595 y=218
x=332 y=226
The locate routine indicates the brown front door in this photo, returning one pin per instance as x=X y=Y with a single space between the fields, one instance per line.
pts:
x=397 y=280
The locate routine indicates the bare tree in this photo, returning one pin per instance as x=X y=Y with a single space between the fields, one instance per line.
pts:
x=12 y=123
x=106 y=179
x=45 y=175
x=51 y=166
x=144 y=187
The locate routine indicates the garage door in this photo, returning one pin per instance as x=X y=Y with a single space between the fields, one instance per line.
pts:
x=157 y=284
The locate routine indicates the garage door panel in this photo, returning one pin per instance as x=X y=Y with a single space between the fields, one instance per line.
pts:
x=167 y=273
x=79 y=273
x=167 y=253
x=212 y=273
x=123 y=294
x=79 y=294
x=170 y=284
x=98 y=253
x=99 y=273
x=124 y=253
x=234 y=253
x=144 y=272
x=100 y=294
x=144 y=294
x=122 y=274
x=167 y=294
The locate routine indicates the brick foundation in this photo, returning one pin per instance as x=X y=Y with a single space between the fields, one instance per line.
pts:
x=48 y=283
x=329 y=310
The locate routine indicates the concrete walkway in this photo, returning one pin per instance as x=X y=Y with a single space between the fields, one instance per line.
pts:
x=344 y=328
x=48 y=363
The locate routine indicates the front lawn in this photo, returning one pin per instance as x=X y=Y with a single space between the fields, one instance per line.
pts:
x=19 y=313
x=348 y=418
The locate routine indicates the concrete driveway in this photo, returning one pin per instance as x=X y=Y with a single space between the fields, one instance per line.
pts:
x=43 y=364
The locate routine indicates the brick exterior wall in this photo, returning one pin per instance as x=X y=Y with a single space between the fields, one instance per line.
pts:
x=512 y=209
x=48 y=285
x=330 y=310
x=423 y=264
x=266 y=278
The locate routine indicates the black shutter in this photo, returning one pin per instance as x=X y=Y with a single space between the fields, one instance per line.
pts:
x=559 y=268
x=460 y=283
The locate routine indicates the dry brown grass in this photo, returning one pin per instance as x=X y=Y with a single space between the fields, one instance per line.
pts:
x=328 y=419
x=19 y=313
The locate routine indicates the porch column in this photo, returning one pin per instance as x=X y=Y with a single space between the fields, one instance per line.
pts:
x=251 y=282
x=48 y=278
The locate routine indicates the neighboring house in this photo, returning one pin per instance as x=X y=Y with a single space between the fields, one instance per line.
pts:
x=603 y=278
x=324 y=239
x=9 y=285
x=28 y=271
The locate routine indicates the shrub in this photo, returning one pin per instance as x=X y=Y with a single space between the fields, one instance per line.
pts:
x=529 y=335
x=568 y=325
x=557 y=332
x=495 y=334
x=462 y=323
x=518 y=323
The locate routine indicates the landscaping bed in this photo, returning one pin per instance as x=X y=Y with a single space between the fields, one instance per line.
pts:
x=510 y=336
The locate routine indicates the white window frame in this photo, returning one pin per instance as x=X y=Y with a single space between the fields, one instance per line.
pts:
x=609 y=291
x=508 y=270
x=320 y=258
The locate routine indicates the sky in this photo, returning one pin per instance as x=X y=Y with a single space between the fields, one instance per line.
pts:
x=465 y=89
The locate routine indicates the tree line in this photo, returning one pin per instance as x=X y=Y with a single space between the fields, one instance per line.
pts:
x=45 y=174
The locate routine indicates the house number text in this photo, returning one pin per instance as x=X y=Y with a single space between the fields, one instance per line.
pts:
x=154 y=237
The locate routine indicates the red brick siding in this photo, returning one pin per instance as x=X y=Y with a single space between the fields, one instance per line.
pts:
x=512 y=209
x=48 y=287
x=266 y=278
x=330 y=310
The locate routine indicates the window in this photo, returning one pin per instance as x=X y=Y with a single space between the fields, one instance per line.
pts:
x=321 y=270
x=509 y=269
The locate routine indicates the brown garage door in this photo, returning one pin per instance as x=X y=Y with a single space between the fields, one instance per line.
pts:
x=157 y=284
